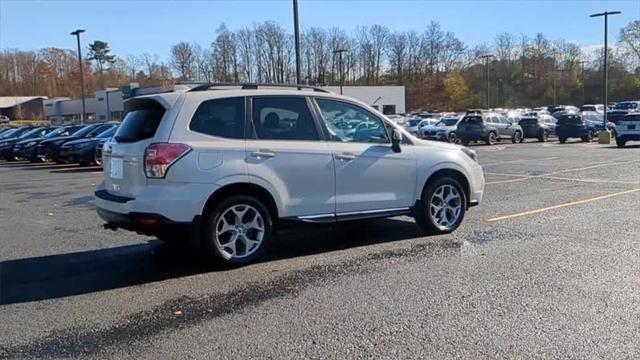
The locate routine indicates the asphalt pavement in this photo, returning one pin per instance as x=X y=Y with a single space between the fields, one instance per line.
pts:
x=546 y=267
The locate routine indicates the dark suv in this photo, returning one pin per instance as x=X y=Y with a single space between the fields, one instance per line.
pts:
x=571 y=125
x=488 y=127
x=538 y=127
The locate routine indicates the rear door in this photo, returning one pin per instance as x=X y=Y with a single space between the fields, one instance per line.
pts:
x=123 y=155
x=285 y=151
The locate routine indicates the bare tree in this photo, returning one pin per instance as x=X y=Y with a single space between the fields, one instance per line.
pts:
x=182 y=59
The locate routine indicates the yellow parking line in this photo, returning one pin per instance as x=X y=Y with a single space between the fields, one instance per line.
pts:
x=572 y=203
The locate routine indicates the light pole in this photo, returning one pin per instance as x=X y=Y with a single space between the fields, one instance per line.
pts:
x=584 y=98
x=296 y=25
x=606 y=50
x=77 y=33
x=486 y=65
x=341 y=76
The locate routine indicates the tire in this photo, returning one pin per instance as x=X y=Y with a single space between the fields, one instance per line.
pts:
x=586 y=138
x=491 y=138
x=452 y=138
x=591 y=135
x=219 y=230
x=517 y=137
x=620 y=142
x=544 y=137
x=562 y=140
x=464 y=141
x=431 y=219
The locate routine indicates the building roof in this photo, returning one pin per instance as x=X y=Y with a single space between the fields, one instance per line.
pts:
x=11 y=101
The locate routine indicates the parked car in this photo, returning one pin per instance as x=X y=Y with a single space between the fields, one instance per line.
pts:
x=192 y=160
x=413 y=125
x=627 y=105
x=9 y=149
x=538 y=127
x=49 y=149
x=4 y=119
x=571 y=125
x=558 y=108
x=599 y=108
x=8 y=140
x=628 y=129
x=443 y=130
x=27 y=149
x=488 y=127
x=83 y=151
x=398 y=119
x=15 y=132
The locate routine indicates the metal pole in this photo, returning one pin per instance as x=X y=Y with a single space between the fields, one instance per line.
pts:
x=488 y=83
x=341 y=77
x=606 y=70
x=84 y=110
x=296 y=25
x=582 y=81
x=108 y=110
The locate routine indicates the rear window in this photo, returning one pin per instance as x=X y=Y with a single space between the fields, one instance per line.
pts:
x=528 y=121
x=141 y=122
x=473 y=120
x=569 y=120
x=220 y=117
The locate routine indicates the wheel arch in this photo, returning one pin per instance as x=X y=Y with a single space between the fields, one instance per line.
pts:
x=248 y=189
x=453 y=173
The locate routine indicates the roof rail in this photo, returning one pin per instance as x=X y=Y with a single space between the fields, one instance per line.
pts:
x=254 y=86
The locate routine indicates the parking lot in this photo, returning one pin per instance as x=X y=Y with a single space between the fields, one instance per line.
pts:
x=546 y=266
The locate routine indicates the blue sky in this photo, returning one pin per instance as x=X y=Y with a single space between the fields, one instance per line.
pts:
x=136 y=27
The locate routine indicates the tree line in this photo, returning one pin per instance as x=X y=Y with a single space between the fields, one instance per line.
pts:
x=437 y=68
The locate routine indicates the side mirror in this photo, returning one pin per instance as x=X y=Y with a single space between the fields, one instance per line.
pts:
x=396 y=138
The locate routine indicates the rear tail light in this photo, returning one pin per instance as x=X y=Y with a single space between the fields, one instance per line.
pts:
x=159 y=157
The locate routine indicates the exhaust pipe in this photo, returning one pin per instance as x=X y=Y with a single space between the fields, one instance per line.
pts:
x=110 y=226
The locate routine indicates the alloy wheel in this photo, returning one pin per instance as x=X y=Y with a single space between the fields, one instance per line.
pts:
x=239 y=231
x=445 y=206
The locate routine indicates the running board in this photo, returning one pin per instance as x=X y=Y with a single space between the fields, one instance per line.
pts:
x=349 y=216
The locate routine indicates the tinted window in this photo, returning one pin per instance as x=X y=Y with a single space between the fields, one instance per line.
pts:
x=569 y=120
x=107 y=133
x=85 y=130
x=473 y=120
x=220 y=117
x=141 y=121
x=282 y=118
x=351 y=123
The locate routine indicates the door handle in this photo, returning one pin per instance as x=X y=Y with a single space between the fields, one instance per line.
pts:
x=263 y=154
x=346 y=156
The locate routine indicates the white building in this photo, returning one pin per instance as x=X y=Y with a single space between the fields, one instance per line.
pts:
x=107 y=104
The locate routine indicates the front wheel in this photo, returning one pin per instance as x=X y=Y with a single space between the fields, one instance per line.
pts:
x=562 y=140
x=442 y=206
x=464 y=141
x=517 y=137
x=452 y=138
x=592 y=135
x=544 y=137
x=237 y=230
x=620 y=142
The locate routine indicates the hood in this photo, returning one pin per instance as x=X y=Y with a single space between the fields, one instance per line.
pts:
x=26 y=141
x=11 y=139
x=437 y=144
x=81 y=141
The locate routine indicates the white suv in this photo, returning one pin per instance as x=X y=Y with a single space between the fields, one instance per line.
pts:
x=222 y=166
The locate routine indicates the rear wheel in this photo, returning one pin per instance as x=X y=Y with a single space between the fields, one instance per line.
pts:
x=562 y=140
x=491 y=138
x=464 y=141
x=452 y=138
x=620 y=142
x=517 y=137
x=237 y=230
x=544 y=137
x=442 y=206
x=586 y=138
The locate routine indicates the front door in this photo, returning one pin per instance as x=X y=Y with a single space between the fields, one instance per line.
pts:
x=369 y=175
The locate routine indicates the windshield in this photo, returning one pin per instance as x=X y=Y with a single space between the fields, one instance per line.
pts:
x=8 y=134
x=84 y=131
x=31 y=133
x=107 y=133
x=414 y=122
x=447 y=122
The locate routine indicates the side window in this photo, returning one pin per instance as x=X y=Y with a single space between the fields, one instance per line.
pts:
x=504 y=120
x=220 y=117
x=283 y=118
x=351 y=123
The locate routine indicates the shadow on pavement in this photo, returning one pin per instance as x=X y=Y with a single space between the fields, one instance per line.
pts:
x=49 y=277
x=82 y=169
